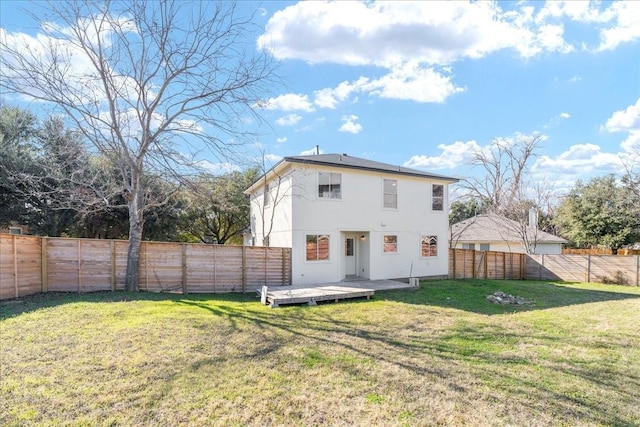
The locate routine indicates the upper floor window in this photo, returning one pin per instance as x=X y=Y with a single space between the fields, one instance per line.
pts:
x=390 y=244
x=390 y=193
x=329 y=185
x=317 y=247
x=429 y=246
x=437 y=197
x=15 y=230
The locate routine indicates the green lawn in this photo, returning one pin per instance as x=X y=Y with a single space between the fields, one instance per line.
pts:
x=440 y=355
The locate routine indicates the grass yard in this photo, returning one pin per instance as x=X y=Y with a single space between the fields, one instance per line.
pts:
x=441 y=355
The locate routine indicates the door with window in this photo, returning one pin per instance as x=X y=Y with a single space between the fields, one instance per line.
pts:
x=350 y=256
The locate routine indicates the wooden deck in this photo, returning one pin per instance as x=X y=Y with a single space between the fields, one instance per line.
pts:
x=312 y=294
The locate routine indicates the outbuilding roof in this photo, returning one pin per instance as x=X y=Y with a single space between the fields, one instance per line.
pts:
x=494 y=228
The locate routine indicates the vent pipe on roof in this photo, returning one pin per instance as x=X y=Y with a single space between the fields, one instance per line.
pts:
x=317 y=150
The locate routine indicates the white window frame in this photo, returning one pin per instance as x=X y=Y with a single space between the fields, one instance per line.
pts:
x=393 y=245
x=429 y=237
x=385 y=193
x=317 y=237
x=434 y=198
x=332 y=194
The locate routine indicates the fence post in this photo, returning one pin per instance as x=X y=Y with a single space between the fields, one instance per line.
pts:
x=244 y=268
x=284 y=266
x=504 y=265
x=15 y=265
x=184 y=268
x=79 y=265
x=637 y=270
x=43 y=264
x=473 y=258
x=588 y=268
x=453 y=259
x=486 y=264
x=113 y=265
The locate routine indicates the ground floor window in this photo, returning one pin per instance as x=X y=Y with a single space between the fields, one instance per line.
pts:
x=390 y=244
x=317 y=247
x=429 y=246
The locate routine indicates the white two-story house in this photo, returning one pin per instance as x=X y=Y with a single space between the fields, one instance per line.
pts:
x=348 y=218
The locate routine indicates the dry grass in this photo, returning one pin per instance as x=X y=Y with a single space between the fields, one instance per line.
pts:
x=438 y=356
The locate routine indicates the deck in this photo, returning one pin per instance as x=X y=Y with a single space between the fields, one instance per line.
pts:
x=312 y=294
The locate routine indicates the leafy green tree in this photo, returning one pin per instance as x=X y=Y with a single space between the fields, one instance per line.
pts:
x=600 y=213
x=461 y=210
x=219 y=211
x=17 y=128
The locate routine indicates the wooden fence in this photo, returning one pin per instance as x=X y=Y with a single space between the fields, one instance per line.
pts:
x=470 y=264
x=622 y=270
x=30 y=265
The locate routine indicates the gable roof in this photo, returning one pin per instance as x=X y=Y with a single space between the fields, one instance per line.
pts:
x=492 y=228
x=350 y=162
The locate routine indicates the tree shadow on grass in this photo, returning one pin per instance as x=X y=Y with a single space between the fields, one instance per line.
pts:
x=471 y=295
x=484 y=352
x=29 y=303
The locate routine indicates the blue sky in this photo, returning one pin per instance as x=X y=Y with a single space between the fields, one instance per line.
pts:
x=426 y=84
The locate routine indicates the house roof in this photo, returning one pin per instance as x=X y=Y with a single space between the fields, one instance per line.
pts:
x=350 y=162
x=492 y=228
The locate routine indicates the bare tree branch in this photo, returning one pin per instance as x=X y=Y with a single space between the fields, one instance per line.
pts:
x=144 y=82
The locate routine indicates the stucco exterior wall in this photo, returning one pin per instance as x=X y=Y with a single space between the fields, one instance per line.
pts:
x=359 y=213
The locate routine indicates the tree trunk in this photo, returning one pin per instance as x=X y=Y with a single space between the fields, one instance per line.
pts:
x=136 y=222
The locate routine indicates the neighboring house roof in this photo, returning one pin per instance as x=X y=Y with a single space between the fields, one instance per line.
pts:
x=350 y=162
x=493 y=228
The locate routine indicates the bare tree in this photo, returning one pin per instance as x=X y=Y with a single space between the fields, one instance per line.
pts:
x=147 y=82
x=504 y=168
x=504 y=186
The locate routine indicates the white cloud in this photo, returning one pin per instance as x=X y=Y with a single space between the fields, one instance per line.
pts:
x=219 y=168
x=330 y=97
x=281 y=140
x=565 y=115
x=632 y=143
x=289 y=120
x=350 y=125
x=617 y=23
x=288 y=102
x=453 y=155
x=391 y=32
x=415 y=83
x=579 y=160
x=410 y=81
x=625 y=120
x=272 y=158
x=311 y=151
x=627 y=25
